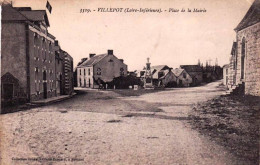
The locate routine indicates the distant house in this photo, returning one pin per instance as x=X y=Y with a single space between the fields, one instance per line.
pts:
x=168 y=79
x=183 y=79
x=99 y=70
x=162 y=76
x=225 y=74
x=158 y=71
x=196 y=73
x=245 y=59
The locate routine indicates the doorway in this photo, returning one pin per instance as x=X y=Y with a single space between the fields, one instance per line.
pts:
x=180 y=83
x=61 y=87
x=8 y=91
x=44 y=85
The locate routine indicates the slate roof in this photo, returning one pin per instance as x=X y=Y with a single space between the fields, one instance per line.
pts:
x=11 y=14
x=156 y=69
x=191 y=68
x=177 y=72
x=165 y=74
x=252 y=16
x=36 y=15
x=92 y=61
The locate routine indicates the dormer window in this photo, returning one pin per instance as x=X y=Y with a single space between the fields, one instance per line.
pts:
x=160 y=74
x=184 y=75
x=110 y=60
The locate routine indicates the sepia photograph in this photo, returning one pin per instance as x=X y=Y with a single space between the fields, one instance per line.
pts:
x=130 y=82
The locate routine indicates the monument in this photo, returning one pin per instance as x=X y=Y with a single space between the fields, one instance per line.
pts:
x=148 y=79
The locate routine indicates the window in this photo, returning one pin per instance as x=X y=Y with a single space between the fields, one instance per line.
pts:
x=36 y=73
x=39 y=53
x=88 y=71
x=51 y=84
x=36 y=87
x=121 y=71
x=50 y=73
x=79 y=71
x=84 y=72
x=184 y=75
x=37 y=82
x=243 y=48
x=98 y=71
x=50 y=47
x=243 y=53
x=35 y=39
x=160 y=74
x=35 y=53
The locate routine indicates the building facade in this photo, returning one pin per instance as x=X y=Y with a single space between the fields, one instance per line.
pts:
x=68 y=74
x=59 y=69
x=99 y=70
x=30 y=48
x=168 y=79
x=183 y=79
x=196 y=72
x=245 y=55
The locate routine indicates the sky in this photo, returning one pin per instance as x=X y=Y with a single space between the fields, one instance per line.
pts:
x=171 y=39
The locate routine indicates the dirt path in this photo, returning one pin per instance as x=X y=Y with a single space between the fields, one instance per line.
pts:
x=100 y=128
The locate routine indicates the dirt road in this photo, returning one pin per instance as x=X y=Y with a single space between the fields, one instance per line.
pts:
x=102 y=127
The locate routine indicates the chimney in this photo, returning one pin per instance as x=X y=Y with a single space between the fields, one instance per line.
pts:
x=110 y=52
x=91 y=55
x=170 y=69
x=121 y=60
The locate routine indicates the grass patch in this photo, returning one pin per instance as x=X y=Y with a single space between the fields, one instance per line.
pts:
x=233 y=122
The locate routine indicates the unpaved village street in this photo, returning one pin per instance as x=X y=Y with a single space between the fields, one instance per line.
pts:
x=105 y=127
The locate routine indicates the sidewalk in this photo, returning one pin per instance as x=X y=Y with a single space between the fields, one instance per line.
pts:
x=34 y=104
x=52 y=99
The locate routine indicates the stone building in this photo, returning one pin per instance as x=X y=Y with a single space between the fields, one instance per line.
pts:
x=99 y=70
x=195 y=71
x=68 y=74
x=28 y=56
x=245 y=55
x=59 y=71
x=183 y=79
x=168 y=79
x=159 y=71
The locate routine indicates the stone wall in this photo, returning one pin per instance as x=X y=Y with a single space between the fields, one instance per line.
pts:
x=252 y=59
